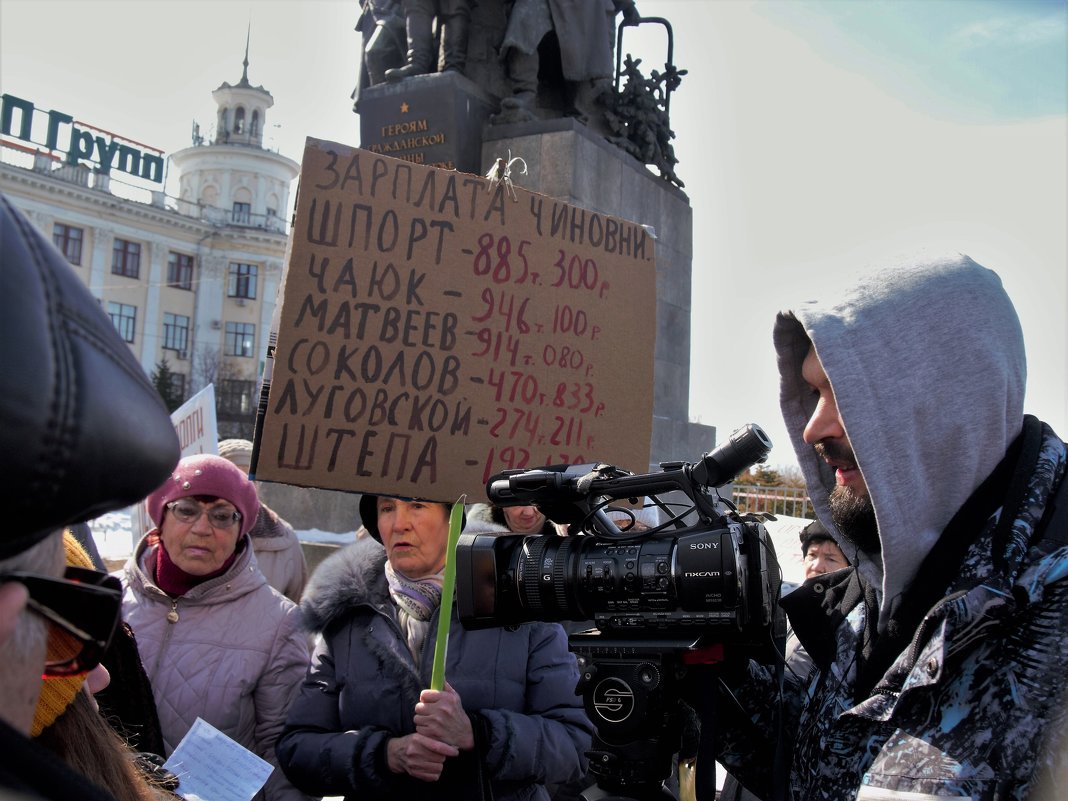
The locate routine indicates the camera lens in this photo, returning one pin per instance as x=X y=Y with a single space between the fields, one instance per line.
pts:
x=541 y=573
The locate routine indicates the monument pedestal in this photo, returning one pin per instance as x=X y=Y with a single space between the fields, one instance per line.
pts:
x=443 y=119
x=434 y=119
x=567 y=161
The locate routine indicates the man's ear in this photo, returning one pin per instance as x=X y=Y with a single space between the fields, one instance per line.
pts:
x=13 y=597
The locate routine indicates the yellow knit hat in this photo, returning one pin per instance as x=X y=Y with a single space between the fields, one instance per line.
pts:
x=57 y=692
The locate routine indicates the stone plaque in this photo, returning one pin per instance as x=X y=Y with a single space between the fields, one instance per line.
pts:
x=435 y=120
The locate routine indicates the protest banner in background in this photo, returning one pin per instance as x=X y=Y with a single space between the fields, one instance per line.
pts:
x=434 y=331
x=195 y=423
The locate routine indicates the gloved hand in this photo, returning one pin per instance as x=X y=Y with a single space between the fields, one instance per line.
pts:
x=152 y=766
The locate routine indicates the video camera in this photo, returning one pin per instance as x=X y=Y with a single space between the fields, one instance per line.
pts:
x=667 y=603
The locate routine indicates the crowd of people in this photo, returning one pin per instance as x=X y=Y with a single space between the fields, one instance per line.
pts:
x=927 y=644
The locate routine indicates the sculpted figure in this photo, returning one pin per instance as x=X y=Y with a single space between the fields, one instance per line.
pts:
x=585 y=30
x=382 y=41
x=454 y=20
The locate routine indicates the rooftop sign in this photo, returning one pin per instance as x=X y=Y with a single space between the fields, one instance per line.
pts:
x=106 y=150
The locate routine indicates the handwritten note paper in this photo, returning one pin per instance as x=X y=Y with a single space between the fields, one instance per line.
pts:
x=435 y=331
x=212 y=767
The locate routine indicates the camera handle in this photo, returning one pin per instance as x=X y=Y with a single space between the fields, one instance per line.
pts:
x=569 y=493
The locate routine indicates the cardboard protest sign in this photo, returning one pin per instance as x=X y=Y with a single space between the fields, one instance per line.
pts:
x=434 y=331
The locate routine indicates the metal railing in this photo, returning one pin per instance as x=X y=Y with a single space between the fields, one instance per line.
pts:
x=789 y=501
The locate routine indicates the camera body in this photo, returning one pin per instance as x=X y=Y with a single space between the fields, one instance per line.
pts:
x=669 y=605
x=716 y=575
x=716 y=579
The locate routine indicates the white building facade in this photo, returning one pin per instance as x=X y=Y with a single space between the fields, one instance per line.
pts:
x=191 y=280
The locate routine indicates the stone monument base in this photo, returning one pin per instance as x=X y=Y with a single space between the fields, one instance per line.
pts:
x=434 y=119
x=568 y=161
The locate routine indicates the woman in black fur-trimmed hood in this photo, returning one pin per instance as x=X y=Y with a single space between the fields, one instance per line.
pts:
x=365 y=726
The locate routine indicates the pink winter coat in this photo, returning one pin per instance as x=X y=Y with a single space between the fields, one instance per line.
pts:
x=235 y=656
x=279 y=554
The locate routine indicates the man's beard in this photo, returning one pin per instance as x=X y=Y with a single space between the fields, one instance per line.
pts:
x=852 y=512
x=854 y=517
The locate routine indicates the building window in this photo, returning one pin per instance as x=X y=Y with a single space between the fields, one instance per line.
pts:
x=69 y=240
x=242 y=280
x=242 y=213
x=236 y=397
x=175 y=332
x=180 y=270
x=126 y=258
x=124 y=318
x=240 y=339
x=178 y=385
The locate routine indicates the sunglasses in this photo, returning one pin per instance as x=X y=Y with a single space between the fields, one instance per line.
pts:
x=84 y=609
x=220 y=517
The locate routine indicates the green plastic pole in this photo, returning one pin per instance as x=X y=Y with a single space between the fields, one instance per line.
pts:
x=441 y=645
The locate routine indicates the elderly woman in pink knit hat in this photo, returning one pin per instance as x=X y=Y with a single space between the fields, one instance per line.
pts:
x=216 y=641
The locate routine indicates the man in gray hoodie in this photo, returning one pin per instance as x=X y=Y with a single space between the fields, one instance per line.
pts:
x=941 y=653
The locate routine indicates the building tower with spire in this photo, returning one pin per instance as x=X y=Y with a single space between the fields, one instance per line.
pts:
x=235 y=179
x=241 y=190
x=242 y=109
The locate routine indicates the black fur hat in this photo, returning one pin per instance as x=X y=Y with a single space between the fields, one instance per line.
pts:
x=813 y=532
x=369 y=513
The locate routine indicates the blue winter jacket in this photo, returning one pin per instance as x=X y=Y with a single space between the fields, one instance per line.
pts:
x=363 y=685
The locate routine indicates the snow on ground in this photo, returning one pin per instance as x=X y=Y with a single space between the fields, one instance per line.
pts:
x=785 y=534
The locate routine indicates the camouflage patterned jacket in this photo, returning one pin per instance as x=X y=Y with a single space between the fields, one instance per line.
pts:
x=970 y=707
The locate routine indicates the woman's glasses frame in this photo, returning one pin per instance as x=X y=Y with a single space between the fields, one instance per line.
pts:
x=183 y=508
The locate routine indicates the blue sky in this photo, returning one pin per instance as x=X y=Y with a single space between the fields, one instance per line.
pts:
x=976 y=62
x=811 y=136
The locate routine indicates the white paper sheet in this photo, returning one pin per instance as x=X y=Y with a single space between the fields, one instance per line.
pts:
x=212 y=767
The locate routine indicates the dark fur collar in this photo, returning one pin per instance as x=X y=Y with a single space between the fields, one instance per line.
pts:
x=353 y=576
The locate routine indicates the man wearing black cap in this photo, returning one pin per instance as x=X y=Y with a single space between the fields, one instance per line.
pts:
x=819 y=552
x=82 y=432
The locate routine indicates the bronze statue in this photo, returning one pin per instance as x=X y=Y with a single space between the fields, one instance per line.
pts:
x=454 y=19
x=382 y=39
x=585 y=31
x=542 y=58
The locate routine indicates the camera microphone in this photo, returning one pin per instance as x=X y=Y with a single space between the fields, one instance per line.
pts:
x=747 y=446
